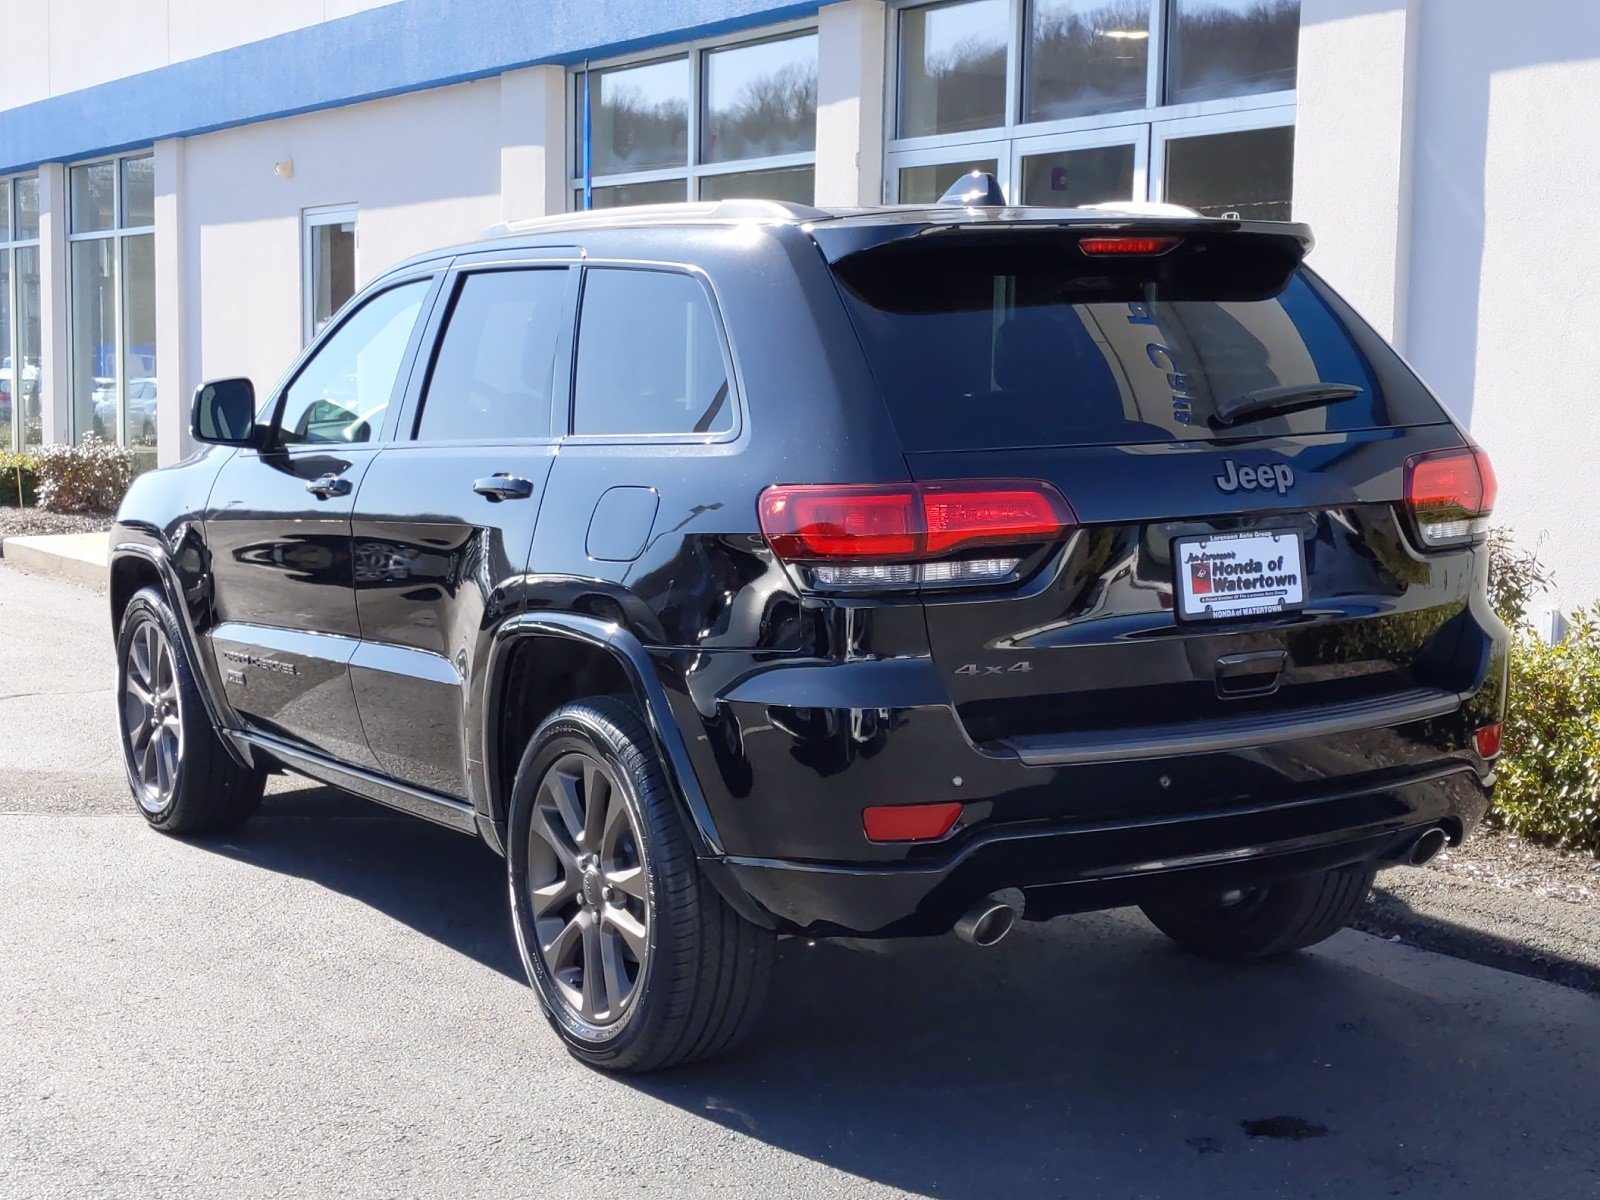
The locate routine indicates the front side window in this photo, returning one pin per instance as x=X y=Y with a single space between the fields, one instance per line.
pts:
x=112 y=300
x=1075 y=102
x=650 y=357
x=342 y=394
x=493 y=376
x=753 y=103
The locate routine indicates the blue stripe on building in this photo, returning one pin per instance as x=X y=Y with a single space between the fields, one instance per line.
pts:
x=384 y=51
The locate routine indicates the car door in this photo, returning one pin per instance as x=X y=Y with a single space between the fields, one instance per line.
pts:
x=278 y=528
x=445 y=516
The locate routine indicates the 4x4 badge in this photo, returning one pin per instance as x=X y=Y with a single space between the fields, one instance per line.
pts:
x=1020 y=668
x=1277 y=477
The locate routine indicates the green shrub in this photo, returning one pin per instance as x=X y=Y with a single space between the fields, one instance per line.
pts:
x=1549 y=777
x=19 y=478
x=1515 y=577
x=1549 y=774
x=90 y=477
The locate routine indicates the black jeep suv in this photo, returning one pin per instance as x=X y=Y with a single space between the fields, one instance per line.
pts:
x=741 y=569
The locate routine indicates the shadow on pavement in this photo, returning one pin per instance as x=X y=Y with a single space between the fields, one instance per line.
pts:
x=1079 y=1058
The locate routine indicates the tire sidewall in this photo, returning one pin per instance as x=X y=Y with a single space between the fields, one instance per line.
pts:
x=146 y=605
x=198 y=734
x=569 y=731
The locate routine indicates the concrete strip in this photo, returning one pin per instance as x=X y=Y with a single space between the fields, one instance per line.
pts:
x=76 y=557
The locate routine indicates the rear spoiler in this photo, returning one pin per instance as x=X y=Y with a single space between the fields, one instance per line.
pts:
x=839 y=239
x=1191 y=258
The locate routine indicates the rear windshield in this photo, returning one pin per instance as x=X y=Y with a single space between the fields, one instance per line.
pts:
x=999 y=346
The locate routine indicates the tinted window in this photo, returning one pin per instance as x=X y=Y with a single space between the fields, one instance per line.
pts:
x=492 y=378
x=649 y=357
x=341 y=395
x=1005 y=345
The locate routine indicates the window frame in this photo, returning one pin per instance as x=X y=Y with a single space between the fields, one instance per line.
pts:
x=117 y=234
x=1015 y=138
x=724 y=342
x=312 y=219
x=10 y=243
x=693 y=170
x=270 y=416
x=454 y=281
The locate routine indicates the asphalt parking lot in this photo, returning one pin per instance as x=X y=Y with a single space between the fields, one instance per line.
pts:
x=328 y=1003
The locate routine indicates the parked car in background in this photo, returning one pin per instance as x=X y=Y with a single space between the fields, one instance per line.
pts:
x=743 y=570
x=141 y=405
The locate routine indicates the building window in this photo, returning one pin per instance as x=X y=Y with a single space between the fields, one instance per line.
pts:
x=714 y=121
x=1087 y=101
x=21 y=415
x=111 y=244
x=327 y=265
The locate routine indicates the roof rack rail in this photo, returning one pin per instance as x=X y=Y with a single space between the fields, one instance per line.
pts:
x=708 y=211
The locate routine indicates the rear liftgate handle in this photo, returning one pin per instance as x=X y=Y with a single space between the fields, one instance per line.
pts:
x=1257 y=673
x=503 y=486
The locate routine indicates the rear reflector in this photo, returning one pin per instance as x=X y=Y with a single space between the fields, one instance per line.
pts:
x=909 y=822
x=1450 y=494
x=1133 y=246
x=1487 y=740
x=911 y=534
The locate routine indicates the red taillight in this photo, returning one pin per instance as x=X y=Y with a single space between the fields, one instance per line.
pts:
x=1450 y=493
x=1101 y=246
x=1487 y=740
x=909 y=822
x=888 y=535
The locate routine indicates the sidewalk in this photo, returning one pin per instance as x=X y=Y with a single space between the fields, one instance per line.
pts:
x=76 y=557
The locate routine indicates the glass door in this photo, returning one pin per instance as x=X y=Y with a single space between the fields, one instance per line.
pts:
x=1070 y=170
x=1225 y=166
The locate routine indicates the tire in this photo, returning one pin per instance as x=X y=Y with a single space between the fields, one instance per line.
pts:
x=1266 y=922
x=682 y=975
x=181 y=775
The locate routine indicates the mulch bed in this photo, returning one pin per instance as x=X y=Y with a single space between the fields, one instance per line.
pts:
x=29 y=522
x=1499 y=859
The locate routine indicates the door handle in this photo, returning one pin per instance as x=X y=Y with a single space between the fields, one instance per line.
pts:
x=325 y=487
x=503 y=487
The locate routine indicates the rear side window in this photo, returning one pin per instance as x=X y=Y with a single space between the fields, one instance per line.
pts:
x=650 y=357
x=493 y=374
x=1020 y=346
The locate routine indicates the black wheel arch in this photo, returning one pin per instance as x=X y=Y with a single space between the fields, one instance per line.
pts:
x=590 y=657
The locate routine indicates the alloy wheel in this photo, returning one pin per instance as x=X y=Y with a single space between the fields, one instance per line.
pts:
x=152 y=716
x=588 y=889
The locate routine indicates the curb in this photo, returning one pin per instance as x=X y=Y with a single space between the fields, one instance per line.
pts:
x=56 y=557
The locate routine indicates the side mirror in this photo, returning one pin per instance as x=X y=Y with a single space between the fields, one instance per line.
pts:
x=224 y=413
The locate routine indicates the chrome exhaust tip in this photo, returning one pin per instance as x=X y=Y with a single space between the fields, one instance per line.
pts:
x=1426 y=848
x=989 y=920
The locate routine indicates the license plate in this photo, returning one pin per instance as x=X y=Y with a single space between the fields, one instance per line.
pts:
x=1225 y=575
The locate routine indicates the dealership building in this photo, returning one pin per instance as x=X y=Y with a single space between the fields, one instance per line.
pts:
x=191 y=188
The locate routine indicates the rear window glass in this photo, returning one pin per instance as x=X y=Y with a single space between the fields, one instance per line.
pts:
x=999 y=346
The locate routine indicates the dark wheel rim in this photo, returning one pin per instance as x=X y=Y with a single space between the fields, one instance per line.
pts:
x=588 y=889
x=152 y=716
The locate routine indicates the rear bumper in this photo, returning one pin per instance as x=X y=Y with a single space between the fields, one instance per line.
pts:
x=1065 y=867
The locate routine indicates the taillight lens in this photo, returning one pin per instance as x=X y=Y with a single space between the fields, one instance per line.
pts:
x=910 y=535
x=1450 y=494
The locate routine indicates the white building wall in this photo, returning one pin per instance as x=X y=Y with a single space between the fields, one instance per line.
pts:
x=75 y=44
x=1504 y=294
x=1448 y=158
x=422 y=170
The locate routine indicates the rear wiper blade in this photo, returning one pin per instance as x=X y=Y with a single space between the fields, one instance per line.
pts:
x=1282 y=399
